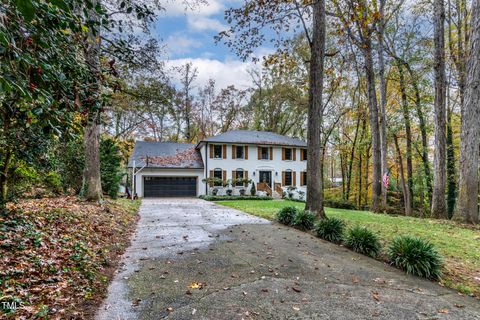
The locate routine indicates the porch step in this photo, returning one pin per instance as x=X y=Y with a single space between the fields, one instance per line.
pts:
x=276 y=195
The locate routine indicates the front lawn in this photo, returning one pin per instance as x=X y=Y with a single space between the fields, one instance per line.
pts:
x=460 y=245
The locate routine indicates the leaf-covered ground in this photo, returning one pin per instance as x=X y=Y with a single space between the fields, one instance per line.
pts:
x=57 y=254
x=459 y=244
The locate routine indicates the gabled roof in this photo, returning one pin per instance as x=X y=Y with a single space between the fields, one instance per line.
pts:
x=255 y=137
x=165 y=155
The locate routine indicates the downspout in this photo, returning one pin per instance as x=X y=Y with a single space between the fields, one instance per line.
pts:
x=206 y=167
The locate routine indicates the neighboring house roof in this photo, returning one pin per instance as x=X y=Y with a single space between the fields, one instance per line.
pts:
x=255 y=137
x=165 y=155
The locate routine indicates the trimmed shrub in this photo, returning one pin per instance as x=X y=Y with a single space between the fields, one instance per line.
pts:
x=242 y=192
x=339 y=204
x=286 y=215
x=214 y=191
x=363 y=240
x=229 y=192
x=304 y=220
x=253 y=190
x=221 y=198
x=415 y=256
x=330 y=229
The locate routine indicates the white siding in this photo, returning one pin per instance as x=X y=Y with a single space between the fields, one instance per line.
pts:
x=253 y=165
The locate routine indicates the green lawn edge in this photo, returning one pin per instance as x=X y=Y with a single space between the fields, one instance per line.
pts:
x=458 y=244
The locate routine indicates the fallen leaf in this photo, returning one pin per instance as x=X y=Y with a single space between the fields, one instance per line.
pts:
x=445 y=311
x=376 y=296
x=296 y=289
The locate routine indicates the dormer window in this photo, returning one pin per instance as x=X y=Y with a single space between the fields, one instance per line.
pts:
x=217 y=151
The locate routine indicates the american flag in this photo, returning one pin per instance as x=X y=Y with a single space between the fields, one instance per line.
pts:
x=385 y=180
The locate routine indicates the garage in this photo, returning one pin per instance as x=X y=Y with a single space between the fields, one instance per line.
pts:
x=170 y=187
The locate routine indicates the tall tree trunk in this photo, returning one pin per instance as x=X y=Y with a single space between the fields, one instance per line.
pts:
x=314 y=201
x=374 y=127
x=383 y=98
x=401 y=174
x=408 y=132
x=352 y=158
x=451 y=179
x=367 y=165
x=4 y=177
x=423 y=133
x=439 y=206
x=467 y=202
x=91 y=175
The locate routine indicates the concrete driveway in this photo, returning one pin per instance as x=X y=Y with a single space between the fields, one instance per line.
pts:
x=192 y=259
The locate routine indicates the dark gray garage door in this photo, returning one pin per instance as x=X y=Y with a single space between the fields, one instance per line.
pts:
x=169 y=187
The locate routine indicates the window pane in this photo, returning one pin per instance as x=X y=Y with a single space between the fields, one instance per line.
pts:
x=304 y=178
x=239 y=152
x=288 y=154
x=304 y=154
x=217 y=174
x=265 y=154
x=239 y=176
x=288 y=178
x=217 y=151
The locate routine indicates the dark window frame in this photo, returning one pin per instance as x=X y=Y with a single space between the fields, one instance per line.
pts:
x=215 y=171
x=242 y=151
x=287 y=174
x=291 y=154
x=304 y=151
x=217 y=151
x=239 y=184
x=304 y=173
x=267 y=154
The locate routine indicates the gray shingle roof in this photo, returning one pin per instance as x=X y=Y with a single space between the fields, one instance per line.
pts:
x=256 y=137
x=165 y=155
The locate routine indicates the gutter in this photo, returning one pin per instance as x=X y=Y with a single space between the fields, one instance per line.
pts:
x=206 y=166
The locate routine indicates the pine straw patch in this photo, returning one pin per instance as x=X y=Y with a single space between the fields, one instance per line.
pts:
x=57 y=255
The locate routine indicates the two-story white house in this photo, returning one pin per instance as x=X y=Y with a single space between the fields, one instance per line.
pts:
x=273 y=162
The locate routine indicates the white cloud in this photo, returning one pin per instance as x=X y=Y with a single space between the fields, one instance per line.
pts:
x=200 y=23
x=180 y=44
x=225 y=73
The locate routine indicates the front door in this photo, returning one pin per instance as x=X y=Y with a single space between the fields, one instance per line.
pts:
x=265 y=176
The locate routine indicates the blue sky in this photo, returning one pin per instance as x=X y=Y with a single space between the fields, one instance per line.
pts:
x=188 y=36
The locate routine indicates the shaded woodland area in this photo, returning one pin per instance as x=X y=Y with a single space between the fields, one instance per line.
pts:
x=382 y=90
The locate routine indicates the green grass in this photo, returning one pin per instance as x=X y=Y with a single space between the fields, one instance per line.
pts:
x=459 y=245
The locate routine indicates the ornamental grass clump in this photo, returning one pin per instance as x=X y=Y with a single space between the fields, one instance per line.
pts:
x=363 y=240
x=330 y=229
x=415 y=256
x=286 y=215
x=304 y=220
